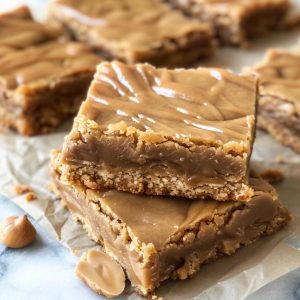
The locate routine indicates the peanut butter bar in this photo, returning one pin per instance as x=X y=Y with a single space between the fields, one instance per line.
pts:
x=279 y=96
x=164 y=132
x=156 y=238
x=19 y=31
x=43 y=77
x=237 y=21
x=134 y=30
x=41 y=86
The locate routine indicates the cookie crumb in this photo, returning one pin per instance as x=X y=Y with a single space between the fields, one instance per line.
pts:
x=280 y=159
x=154 y=297
x=272 y=176
x=31 y=196
x=50 y=187
x=21 y=189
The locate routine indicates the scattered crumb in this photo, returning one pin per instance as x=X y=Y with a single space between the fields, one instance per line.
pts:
x=21 y=189
x=50 y=188
x=272 y=176
x=31 y=196
x=154 y=297
x=280 y=159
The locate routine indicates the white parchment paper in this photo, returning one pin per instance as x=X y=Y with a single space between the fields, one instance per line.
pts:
x=25 y=161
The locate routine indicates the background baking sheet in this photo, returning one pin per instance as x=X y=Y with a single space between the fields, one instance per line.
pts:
x=25 y=160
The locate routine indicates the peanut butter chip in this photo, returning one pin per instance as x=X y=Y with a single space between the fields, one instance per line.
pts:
x=17 y=232
x=101 y=273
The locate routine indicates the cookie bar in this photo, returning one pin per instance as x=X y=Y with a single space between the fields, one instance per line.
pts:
x=236 y=21
x=19 y=31
x=164 y=132
x=134 y=30
x=43 y=85
x=279 y=96
x=151 y=247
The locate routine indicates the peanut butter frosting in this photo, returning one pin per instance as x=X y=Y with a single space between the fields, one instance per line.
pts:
x=197 y=105
x=129 y=25
x=44 y=62
x=19 y=31
x=146 y=217
x=279 y=78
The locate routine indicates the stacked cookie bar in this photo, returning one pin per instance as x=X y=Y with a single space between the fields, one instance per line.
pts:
x=156 y=167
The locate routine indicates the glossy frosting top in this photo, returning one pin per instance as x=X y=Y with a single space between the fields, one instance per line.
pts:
x=280 y=76
x=128 y=23
x=46 y=61
x=195 y=104
x=154 y=219
x=19 y=30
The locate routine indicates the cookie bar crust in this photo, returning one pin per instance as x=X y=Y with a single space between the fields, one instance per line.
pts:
x=234 y=20
x=279 y=96
x=152 y=248
x=164 y=132
x=43 y=85
x=135 y=31
x=19 y=31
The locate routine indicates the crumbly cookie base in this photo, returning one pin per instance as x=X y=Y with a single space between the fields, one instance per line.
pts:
x=113 y=234
x=285 y=135
x=44 y=107
x=163 y=183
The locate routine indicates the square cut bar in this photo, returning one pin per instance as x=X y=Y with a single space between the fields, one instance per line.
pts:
x=42 y=85
x=237 y=21
x=176 y=132
x=279 y=96
x=135 y=31
x=19 y=31
x=151 y=247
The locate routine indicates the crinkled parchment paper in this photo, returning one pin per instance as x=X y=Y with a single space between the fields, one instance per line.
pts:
x=25 y=161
